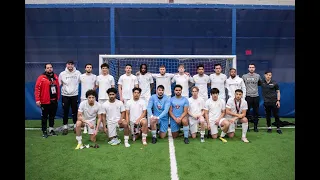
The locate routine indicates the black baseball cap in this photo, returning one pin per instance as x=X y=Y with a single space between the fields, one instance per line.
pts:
x=70 y=62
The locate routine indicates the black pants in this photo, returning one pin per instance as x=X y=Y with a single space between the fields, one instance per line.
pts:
x=253 y=102
x=68 y=101
x=48 y=110
x=271 y=107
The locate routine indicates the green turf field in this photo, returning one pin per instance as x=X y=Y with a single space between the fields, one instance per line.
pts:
x=267 y=156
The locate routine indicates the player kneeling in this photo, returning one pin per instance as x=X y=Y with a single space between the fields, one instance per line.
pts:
x=88 y=111
x=136 y=111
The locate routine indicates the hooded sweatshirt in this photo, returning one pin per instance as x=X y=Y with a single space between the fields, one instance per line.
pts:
x=69 y=82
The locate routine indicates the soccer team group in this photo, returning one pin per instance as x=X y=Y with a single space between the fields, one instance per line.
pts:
x=137 y=112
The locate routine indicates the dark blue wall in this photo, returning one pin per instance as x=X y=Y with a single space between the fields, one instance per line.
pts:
x=59 y=34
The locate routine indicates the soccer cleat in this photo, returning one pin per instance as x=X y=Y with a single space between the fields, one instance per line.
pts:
x=126 y=144
x=223 y=140
x=202 y=140
x=111 y=141
x=154 y=140
x=269 y=130
x=116 y=142
x=186 y=140
x=279 y=131
x=52 y=133
x=244 y=139
x=65 y=132
x=144 y=142
x=79 y=146
x=45 y=134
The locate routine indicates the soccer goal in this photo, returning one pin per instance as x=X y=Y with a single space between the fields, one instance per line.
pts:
x=117 y=63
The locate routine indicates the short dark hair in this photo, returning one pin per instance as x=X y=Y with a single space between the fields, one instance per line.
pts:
x=136 y=89
x=267 y=71
x=114 y=90
x=252 y=64
x=232 y=69
x=144 y=65
x=104 y=65
x=177 y=86
x=160 y=86
x=218 y=64
x=200 y=65
x=45 y=66
x=70 y=62
x=214 y=91
x=91 y=92
x=88 y=64
x=128 y=65
x=238 y=90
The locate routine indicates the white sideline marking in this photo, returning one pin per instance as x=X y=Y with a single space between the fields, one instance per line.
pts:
x=173 y=162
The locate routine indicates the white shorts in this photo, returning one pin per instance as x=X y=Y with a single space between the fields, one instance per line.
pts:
x=214 y=127
x=101 y=101
x=112 y=129
x=91 y=131
x=194 y=125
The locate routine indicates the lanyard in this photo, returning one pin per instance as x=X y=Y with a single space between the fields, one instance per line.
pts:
x=235 y=103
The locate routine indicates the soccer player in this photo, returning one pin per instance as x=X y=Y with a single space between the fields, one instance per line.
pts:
x=214 y=111
x=104 y=81
x=136 y=111
x=158 y=108
x=164 y=79
x=115 y=113
x=182 y=79
x=126 y=83
x=252 y=80
x=47 y=94
x=88 y=110
x=145 y=82
x=236 y=109
x=218 y=80
x=202 y=81
x=178 y=112
x=235 y=82
x=87 y=81
x=196 y=113
x=69 y=81
x=271 y=97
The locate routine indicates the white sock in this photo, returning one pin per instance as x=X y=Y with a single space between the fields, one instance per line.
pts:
x=79 y=139
x=269 y=127
x=144 y=136
x=244 y=129
x=154 y=133
x=74 y=125
x=65 y=126
x=202 y=134
x=126 y=138
x=224 y=134
x=50 y=129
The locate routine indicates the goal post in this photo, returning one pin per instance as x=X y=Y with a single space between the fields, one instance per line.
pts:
x=117 y=63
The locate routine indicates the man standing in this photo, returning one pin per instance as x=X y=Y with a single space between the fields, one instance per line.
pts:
x=233 y=83
x=252 y=80
x=164 y=79
x=218 y=80
x=271 y=97
x=145 y=81
x=47 y=94
x=202 y=81
x=178 y=111
x=88 y=81
x=182 y=79
x=126 y=83
x=158 y=108
x=69 y=80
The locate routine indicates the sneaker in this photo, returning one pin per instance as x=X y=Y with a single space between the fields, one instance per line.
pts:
x=223 y=140
x=65 y=132
x=45 y=134
x=52 y=133
x=202 y=140
x=186 y=140
x=244 y=140
x=111 y=141
x=79 y=146
x=127 y=145
x=116 y=142
x=279 y=131
x=154 y=140
x=269 y=130
x=144 y=142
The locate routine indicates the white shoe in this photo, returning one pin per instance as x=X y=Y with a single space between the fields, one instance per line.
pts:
x=116 y=142
x=111 y=141
x=244 y=139
x=202 y=140
x=144 y=142
x=126 y=144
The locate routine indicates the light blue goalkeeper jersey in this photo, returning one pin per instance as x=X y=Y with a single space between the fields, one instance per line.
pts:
x=159 y=107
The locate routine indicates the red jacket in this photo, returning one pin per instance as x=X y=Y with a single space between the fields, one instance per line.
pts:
x=42 y=89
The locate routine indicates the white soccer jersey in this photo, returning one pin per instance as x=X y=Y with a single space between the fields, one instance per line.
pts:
x=104 y=82
x=90 y=112
x=135 y=108
x=234 y=105
x=87 y=82
x=183 y=80
x=128 y=83
x=214 y=108
x=195 y=106
x=202 y=83
x=164 y=80
x=144 y=83
x=113 y=111
x=219 y=82
x=233 y=84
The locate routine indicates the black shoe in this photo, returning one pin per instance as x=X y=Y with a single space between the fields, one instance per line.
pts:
x=279 y=131
x=52 y=133
x=65 y=132
x=209 y=134
x=269 y=130
x=186 y=140
x=154 y=140
x=45 y=134
x=255 y=128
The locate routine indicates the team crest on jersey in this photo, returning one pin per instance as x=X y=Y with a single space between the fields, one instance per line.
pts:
x=177 y=106
x=159 y=106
